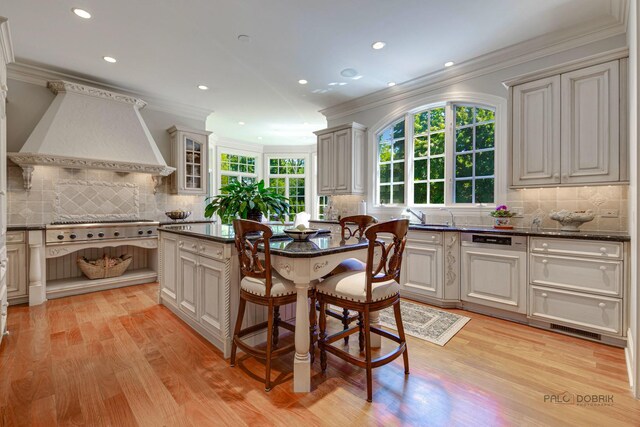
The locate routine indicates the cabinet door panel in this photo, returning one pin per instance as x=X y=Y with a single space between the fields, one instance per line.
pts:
x=16 y=271
x=187 y=283
x=169 y=253
x=591 y=124
x=325 y=164
x=342 y=161
x=211 y=277
x=536 y=132
x=423 y=270
x=358 y=171
x=495 y=279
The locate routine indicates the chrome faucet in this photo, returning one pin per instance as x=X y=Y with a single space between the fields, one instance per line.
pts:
x=421 y=216
x=453 y=221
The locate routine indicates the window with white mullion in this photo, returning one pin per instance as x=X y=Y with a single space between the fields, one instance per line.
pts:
x=429 y=135
x=391 y=164
x=288 y=177
x=474 y=144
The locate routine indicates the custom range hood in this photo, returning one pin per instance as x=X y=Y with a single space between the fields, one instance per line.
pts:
x=91 y=128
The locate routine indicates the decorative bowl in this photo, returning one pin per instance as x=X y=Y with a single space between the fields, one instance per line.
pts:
x=178 y=214
x=572 y=220
x=301 y=235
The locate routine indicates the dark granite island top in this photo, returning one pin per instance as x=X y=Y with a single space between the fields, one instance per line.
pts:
x=222 y=233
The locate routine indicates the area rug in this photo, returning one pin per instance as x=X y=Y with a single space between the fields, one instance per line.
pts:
x=425 y=322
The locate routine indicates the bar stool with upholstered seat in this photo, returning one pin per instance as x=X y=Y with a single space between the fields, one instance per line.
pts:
x=351 y=226
x=262 y=286
x=374 y=289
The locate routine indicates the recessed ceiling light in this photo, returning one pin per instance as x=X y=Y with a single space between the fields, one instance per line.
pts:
x=358 y=77
x=348 y=72
x=342 y=84
x=391 y=84
x=241 y=123
x=378 y=45
x=333 y=83
x=449 y=63
x=81 y=13
x=303 y=81
x=243 y=38
x=109 y=59
x=203 y=87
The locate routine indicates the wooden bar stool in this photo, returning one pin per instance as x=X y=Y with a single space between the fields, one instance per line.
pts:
x=374 y=289
x=262 y=286
x=351 y=226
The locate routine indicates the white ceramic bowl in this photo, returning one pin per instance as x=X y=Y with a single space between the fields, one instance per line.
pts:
x=301 y=235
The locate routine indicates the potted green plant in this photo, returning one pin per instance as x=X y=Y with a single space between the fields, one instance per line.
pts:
x=244 y=200
x=502 y=216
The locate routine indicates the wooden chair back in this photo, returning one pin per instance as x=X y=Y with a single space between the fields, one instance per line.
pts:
x=355 y=225
x=390 y=262
x=248 y=236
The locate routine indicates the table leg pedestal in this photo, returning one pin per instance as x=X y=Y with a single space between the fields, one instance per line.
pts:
x=376 y=340
x=302 y=360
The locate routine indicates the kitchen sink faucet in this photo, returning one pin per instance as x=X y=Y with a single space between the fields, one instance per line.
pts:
x=453 y=220
x=420 y=215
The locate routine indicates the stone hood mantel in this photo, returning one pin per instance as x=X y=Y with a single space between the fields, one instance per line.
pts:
x=91 y=128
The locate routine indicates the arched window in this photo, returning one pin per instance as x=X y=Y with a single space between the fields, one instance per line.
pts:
x=440 y=155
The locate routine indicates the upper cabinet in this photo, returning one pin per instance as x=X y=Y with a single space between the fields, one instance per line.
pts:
x=341 y=157
x=189 y=151
x=566 y=128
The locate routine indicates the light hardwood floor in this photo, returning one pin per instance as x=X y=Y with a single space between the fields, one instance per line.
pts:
x=118 y=358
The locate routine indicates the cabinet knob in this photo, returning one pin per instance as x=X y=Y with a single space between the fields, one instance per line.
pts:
x=545 y=261
x=545 y=245
x=556 y=175
x=603 y=249
x=603 y=267
x=202 y=248
x=180 y=244
x=433 y=237
x=602 y=305
x=544 y=295
x=194 y=246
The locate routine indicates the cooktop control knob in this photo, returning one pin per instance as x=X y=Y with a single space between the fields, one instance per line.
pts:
x=140 y=232
x=60 y=236
x=90 y=235
x=72 y=236
x=100 y=234
x=149 y=231
x=117 y=233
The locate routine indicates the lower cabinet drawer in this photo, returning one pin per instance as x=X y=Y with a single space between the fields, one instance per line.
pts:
x=212 y=250
x=581 y=311
x=577 y=274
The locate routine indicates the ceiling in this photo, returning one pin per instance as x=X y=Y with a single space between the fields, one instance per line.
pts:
x=167 y=49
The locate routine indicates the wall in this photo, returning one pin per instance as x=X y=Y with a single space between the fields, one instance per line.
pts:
x=26 y=105
x=633 y=347
x=539 y=202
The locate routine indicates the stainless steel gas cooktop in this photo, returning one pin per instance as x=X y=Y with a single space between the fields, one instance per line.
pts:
x=78 y=231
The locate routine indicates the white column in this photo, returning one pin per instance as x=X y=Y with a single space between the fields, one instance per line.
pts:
x=37 y=269
x=376 y=340
x=302 y=361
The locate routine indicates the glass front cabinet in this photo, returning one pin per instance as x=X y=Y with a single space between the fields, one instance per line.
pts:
x=189 y=151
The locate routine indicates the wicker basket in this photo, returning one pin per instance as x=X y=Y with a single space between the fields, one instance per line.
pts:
x=104 y=267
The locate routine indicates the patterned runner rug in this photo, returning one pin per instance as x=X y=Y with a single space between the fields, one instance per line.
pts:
x=427 y=323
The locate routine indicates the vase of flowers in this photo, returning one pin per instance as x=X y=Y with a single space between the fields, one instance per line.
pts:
x=502 y=217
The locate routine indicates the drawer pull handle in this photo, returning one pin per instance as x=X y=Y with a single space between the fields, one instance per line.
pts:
x=544 y=295
x=194 y=246
x=603 y=249
x=544 y=261
x=602 y=305
x=545 y=245
x=603 y=267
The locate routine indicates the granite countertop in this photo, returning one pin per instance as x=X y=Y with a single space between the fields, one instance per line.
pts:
x=187 y=221
x=223 y=233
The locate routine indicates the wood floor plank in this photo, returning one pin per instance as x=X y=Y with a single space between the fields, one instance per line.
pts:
x=117 y=358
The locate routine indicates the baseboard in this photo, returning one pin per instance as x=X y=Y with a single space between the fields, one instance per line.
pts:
x=495 y=312
x=429 y=300
x=629 y=356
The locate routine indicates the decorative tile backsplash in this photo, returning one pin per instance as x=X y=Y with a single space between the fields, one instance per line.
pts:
x=64 y=194
x=533 y=203
x=83 y=200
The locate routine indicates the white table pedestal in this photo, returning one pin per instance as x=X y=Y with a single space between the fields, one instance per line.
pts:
x=302 y=360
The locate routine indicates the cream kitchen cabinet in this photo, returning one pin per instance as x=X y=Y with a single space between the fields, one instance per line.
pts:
x=17 y=289
x=565 y=128
x=195 y=281
x=189 y=154
x=430 y=270
x=578 y=284
x=341 y=160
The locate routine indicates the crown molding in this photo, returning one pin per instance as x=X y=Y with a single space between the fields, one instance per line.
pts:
x=37 y=75
x=5 y=41
x=57 y=86
x=516 y=54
